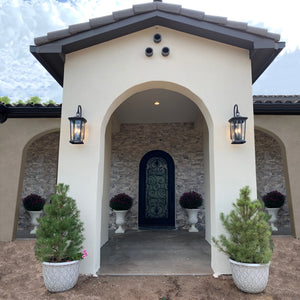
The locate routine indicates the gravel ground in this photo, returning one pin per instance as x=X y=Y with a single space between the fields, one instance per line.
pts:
x=21 y=278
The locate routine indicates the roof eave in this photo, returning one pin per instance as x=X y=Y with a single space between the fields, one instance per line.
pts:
x=263 y=50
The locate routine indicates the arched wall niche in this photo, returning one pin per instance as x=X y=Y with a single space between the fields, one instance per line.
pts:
x=39 y=173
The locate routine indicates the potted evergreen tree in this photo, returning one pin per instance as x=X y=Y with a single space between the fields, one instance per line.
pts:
x=273 y=201
x=120 y=204
x=191 y=201
x=59 y=241
x=248 y=245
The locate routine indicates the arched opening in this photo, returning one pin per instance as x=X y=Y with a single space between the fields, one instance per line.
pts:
x=146 y=121
x=270 y=175
x=38 y=175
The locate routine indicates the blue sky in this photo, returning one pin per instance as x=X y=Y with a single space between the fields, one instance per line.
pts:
x=21 y=76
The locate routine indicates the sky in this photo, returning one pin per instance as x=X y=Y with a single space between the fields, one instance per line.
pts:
x=22 y=76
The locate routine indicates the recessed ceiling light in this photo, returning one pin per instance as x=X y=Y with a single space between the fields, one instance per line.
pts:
x=156 y=103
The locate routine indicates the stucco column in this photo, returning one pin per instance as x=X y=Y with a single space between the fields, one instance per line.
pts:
x=285 y=129
x=16 y=136
x=232 y=167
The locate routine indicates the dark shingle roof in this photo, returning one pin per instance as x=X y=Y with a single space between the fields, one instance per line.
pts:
x=150 y=7
x=51 y=49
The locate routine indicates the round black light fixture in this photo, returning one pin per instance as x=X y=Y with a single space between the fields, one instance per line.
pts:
x=237 y=127
x=165 y=51
x=77 y=127
x=157 y=38
x=149 y=51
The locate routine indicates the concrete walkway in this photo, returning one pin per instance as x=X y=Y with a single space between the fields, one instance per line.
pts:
x=156 y=252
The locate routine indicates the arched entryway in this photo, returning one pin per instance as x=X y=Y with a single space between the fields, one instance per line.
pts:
x=156 y=191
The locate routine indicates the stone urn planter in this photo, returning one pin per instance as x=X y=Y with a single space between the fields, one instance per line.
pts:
x=34 y=204
x=273 y=202
x=120 y=204
x=273 y=212
x=191 y=202
x=192 y=218
x=250 y=278
x=120 y=220
x=59 y=277
x=34 y=216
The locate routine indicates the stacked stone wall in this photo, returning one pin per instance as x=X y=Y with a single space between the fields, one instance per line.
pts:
x=270 y=172
x=40 y=173
x=182 y=141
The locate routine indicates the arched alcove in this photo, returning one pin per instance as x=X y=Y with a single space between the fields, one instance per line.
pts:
x=40 y=160
x=270 y=174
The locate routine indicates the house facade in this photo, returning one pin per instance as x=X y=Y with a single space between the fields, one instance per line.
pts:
x=197 y=67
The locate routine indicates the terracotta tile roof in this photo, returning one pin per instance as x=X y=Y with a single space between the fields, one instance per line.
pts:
x=152 y=7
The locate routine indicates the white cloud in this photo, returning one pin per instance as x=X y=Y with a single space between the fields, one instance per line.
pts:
x=21 y=75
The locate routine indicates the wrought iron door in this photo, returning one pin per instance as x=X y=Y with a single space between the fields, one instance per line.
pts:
x=156 y=191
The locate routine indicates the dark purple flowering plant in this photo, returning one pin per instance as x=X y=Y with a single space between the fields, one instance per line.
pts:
x=33 y=202
x=120 y=202
x=273 y=199
x=191 y=200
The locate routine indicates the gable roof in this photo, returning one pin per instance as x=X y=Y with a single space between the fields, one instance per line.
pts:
x=50 y=50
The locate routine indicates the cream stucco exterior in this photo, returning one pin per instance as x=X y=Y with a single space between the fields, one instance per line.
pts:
x=16 y=135
x=214 y=76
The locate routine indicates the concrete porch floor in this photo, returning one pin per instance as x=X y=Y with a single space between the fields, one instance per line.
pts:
x=156 y=252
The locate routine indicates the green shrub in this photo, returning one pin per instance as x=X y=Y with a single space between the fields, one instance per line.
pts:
x=5 y=100
x=249 y=239
x=60 y=234
x=34 y=100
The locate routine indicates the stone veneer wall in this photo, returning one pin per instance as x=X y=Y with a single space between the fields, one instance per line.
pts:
x=40 y=172
x=182 y=141
x=270 y=172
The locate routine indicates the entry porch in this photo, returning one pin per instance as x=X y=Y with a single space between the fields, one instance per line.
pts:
x=156 y=252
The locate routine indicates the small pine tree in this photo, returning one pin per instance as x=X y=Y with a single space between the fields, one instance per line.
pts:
x=60 y=234
x=249 y=238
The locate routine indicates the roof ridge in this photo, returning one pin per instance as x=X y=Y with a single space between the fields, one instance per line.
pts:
x=143 y=8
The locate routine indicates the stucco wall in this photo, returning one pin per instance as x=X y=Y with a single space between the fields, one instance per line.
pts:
x=212 y=75
x=182 y=141
x=40 y=173
x=16 y=136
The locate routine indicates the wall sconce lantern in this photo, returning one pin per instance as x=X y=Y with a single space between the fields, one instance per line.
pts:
x=77 y=127
x=237 y=127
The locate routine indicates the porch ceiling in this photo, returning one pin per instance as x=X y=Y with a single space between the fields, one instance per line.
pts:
x=173 y=108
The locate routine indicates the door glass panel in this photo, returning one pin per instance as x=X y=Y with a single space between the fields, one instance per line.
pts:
x=156 y=188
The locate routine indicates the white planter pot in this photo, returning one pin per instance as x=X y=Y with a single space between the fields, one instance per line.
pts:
x=34 y=216
x=59 y=277
x=250 y=278
x=120 y=220
x=273 y=212
x=192 y=218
